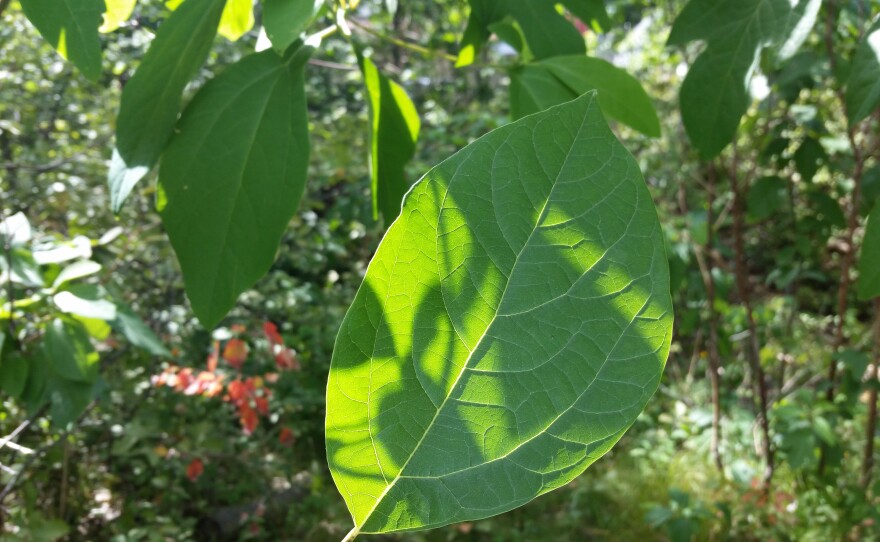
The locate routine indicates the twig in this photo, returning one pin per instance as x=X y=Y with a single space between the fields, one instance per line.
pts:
x=871 y=424
x=39 y=452
x=430 y=53
x=7 y=440
x=331 y=65
x=42 y=168
x=745 y=294
x=848 y=256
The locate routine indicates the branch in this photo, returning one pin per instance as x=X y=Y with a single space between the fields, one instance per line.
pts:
x=430 y=53
x=33 y=167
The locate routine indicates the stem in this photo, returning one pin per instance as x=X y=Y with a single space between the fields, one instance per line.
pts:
x=846 y=263
x=707 y=266
x=753 y=349
x=430 y=53
x=871 y=425
x=352 y=534
x=714 y=357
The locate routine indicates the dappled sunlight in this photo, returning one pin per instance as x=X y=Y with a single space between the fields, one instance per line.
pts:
x=537 y=337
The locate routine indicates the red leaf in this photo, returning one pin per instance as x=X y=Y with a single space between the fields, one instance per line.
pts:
x=213 y=357
x=262 y=405
x=286 y=360
x=271 y=332
x=248 y=418
x=286 y=437
x=235 y=352
x=237 y=391
x=195 y=469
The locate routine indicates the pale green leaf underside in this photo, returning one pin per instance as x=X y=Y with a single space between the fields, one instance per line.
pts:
x=714 y=95
x=512 y=325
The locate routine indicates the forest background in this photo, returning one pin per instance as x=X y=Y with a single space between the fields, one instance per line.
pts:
x=761 y=428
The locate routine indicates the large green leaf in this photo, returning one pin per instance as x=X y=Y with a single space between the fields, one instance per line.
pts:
x=394 y=124
x=285 y=20
x=512 y=325
x=868 y=286
x=151 y=100
x=863 y=87
x=233 y=175
x=715 y=92
x=535 y=87
x=71 y=27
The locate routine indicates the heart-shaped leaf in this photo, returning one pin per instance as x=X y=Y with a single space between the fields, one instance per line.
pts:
x=233 y=175
x=512 y=325
x=715 y=93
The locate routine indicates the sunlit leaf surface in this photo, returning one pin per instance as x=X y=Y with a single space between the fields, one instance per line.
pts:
x=512 y=325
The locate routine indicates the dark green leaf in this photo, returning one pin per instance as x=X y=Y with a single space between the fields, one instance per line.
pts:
x=870 y=189
x=151 y=99
x=715 y=95
x=808 y=158
x=67 y=347
x=71 y=27
x=233 y=175
x=547 y=32
x=394 y=130
x=483 y=14
x=828 y=208
x=512 y=325
x=285 y=20
x=67 y=399
x=537 y=86
x=137 y=332
x=13 y=374
x=766 y=197
x=868 y=286
x=863 y=86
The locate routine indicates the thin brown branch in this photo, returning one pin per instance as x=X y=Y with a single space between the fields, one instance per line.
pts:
x=744 y=290
x=871 y=424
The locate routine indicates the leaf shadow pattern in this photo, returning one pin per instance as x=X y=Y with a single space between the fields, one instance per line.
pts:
x=512 y=326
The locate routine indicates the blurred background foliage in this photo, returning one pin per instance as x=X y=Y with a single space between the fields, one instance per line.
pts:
x=221 y=436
